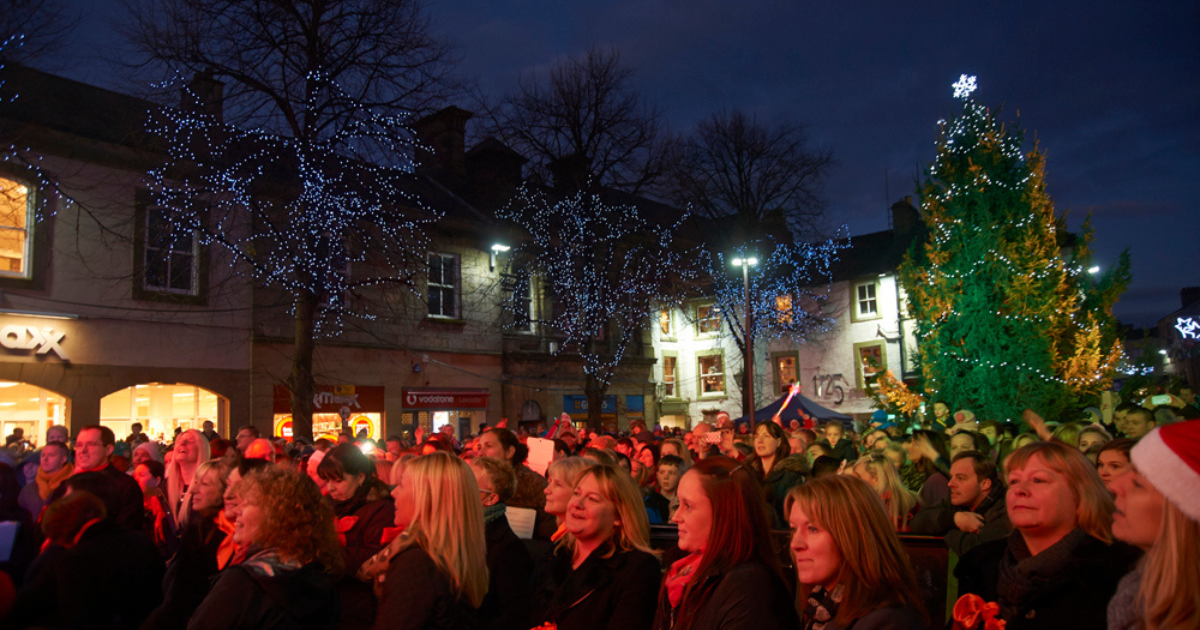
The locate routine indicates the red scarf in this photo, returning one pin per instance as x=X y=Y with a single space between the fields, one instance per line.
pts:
x=390 y=534
x=343 y=525
x=681 y=574
x=227 y=549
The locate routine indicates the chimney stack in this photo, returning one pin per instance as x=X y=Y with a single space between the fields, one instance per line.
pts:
x=443 y=136
x=204 y=95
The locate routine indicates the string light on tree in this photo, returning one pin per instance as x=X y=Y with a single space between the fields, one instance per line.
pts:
x=1007 y=316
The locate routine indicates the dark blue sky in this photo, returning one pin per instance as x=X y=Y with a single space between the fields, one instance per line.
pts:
x=1109 y=88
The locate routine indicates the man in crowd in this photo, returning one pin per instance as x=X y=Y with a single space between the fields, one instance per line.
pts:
x=209 y=433
x=18 y=435
x=1138 y=422
x=53 y=468
x=245 y=436
x=1190 y=409
x=135 y=430
x=120 y=493
x=975 y=513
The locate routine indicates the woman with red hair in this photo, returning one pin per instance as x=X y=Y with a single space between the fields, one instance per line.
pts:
x=732 y=578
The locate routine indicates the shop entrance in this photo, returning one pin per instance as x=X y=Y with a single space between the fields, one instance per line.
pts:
x=161 y=408
x=31 y=409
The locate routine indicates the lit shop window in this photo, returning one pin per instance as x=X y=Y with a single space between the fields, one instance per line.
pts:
x=16 y=221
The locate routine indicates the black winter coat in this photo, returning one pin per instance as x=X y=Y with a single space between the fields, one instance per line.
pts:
x=748 y=597
x=510 y=580
x=110 y=579
x=1074 y=596
x=362 y=541
x=615 y=593
x=245 y=597
x=189 y=575
x=417 y=595
x=122 y=496
x=938 y=520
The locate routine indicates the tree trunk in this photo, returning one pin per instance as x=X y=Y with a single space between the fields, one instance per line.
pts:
x=301 y=380
x=595 y=389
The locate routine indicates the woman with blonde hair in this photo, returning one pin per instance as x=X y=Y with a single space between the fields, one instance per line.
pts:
x=561 y=477
x=849 y=561
x=205 y=546
x=602 y=574
x=437 y=569
x=899 y=502
x=190 y=450
x=286 y=580
x=1060 y=565
x=1158 y=510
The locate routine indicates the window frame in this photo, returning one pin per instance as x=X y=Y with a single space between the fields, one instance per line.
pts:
x=29 y=246
x=858 y=365
x=700 y=375
x=780 y=386
x=455 y=288
x=528 y=328
x=715 y=317
x=673 y=334
x=674 y=356
x=856 y=303
x=143 y=203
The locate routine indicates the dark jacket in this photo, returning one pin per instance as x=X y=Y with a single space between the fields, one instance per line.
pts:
x=255 y=595
x=122 y=496
x=658 y=508
x=886 y=619
x=363 y=540
x=1074 y=595
x=844 y=450
x=786 y=474
x=418 y=595
x=110 y=579
x=189 y=575
x=748 y=597
x=617 y=593
x=938 y=520
x=510 y=580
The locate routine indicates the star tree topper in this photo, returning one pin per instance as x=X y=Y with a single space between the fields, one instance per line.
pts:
x=964 y=87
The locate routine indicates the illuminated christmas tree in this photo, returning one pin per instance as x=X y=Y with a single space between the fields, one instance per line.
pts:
x=1009 y=311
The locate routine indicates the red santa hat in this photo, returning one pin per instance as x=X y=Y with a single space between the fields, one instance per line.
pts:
x=1169 y=457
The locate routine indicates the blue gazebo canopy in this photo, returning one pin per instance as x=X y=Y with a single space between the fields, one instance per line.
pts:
x=799 y=403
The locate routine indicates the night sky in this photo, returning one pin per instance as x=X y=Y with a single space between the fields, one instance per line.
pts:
x=1110 y=89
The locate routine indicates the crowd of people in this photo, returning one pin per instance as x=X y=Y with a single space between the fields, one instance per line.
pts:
x=1063 y=525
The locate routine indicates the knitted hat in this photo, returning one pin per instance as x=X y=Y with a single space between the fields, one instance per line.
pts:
x=1170 y=458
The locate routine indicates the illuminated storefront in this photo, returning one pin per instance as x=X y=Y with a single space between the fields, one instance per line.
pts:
x=431 y=409
x=358 y=410
x=161 y=408
x=577 y=408
x=30 y=408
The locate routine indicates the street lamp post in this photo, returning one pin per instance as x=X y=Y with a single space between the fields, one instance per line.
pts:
x=748 y=355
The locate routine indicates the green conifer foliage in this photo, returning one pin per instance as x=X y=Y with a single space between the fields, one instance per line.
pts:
x=1007 y=315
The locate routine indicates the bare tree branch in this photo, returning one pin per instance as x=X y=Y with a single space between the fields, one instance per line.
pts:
x=584 y=108
x=734 y=166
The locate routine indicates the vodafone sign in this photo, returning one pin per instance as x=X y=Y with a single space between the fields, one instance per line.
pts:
x=446 y=398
